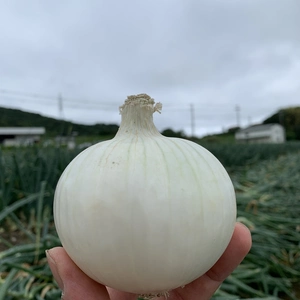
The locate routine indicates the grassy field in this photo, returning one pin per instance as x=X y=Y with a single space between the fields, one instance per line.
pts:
x=266 y=179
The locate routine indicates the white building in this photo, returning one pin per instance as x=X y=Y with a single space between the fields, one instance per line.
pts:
x=20 y=136
x=265 y=133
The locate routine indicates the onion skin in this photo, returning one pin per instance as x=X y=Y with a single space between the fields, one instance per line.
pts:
x=143 y=213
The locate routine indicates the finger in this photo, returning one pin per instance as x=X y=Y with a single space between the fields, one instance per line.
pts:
x=74 y=283
x=236 y=251
x=204 y=287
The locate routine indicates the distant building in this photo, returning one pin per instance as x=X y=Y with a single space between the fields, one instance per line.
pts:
x=20 y=136
x=264 y=133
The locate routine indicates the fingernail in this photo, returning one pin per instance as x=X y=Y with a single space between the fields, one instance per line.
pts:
x=54 y=269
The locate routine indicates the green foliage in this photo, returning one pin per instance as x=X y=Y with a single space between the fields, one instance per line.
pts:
x=290 y=119
x=25 y=273
x=234 y=155
x=171 y=133
x=23 y=169
x=266 y=180
x=269 y=204
x=221 y=138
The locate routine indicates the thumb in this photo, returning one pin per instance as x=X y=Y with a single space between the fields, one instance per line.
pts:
x=72 y=281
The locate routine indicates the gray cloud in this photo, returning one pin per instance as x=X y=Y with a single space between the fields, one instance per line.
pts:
x=212 y=53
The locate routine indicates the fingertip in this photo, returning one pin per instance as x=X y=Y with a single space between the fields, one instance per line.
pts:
x=243 y=233
x=234 y=254
x=50 y=254
x=72 y=281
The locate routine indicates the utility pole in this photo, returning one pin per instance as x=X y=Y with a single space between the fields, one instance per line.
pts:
x=237 y=110
x=249 y=121
x=60 y=106
x=61 y=117
x=192 y=120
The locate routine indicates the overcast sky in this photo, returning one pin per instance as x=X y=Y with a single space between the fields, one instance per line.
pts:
x=214 y=54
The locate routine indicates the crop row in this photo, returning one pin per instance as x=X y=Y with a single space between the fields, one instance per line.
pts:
x=266 y=180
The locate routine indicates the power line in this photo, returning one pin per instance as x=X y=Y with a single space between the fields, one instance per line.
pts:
x=85 y=101
x=30 y=95
x=54 y=98
x=82 y=104
x=22 y=100
x=110 y=107
x=72 y=103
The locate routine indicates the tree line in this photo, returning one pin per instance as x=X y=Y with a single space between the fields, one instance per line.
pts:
x=288 y=117
x=54 y=127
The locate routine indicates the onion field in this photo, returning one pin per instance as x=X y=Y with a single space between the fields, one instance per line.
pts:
x=267 y=183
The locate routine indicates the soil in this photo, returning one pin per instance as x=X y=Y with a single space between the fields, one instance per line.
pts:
x=14 y=237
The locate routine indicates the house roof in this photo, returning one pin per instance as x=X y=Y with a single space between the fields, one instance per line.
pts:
x=22 y=130
x=257 y=128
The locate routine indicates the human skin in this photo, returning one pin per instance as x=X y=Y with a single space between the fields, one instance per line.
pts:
x=77 y=286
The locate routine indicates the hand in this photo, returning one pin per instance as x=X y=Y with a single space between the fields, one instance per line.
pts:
x=77 y=286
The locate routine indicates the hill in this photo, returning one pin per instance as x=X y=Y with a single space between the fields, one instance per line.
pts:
x=289 y=118
x=15 y=118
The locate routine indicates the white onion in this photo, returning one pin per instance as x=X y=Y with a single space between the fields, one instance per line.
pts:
x=144 y=213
